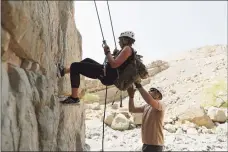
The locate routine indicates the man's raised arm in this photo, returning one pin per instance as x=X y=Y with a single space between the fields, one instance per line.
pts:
x=148 y=98
x=131 y=105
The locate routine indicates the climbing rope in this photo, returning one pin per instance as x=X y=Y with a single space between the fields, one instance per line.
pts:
x=111 y=25
x=115 y=46
x=99 y=21
x=105 y=61
x=106 y=89
x=104 y=118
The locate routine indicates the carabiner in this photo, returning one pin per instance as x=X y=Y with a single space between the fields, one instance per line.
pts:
x=104 y=43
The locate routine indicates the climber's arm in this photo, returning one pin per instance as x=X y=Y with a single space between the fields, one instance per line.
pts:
x=125 y=53
x=134 y=109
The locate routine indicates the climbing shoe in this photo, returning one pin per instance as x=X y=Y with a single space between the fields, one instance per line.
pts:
x=70 y=100
x=60 y=72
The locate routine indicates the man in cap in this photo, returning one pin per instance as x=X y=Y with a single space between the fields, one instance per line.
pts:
x=152 y=119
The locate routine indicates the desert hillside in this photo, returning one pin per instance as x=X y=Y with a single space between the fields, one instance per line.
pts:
x=195 y=86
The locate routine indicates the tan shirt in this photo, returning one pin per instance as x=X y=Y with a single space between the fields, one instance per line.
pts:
x=152 y=125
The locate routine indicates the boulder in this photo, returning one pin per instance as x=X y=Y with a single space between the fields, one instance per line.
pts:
x=195 y=114
x=217 y=114
x=120 y=122
x=170 y=128
x=109 y=118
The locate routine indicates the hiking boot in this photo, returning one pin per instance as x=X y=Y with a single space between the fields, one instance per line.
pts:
x=60 y=72
x=70 y=100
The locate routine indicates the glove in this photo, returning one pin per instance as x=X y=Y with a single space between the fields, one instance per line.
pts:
x=131 y=91
x=138 y=85
x=106 y=49
x=138 y=80
x=115 y=51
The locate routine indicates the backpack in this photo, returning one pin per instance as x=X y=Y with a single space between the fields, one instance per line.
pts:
x=134 y=71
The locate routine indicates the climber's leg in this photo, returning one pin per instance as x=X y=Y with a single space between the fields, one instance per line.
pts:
x=90 y=70
x=66 y=70
x=70 y=100
x=88 y=60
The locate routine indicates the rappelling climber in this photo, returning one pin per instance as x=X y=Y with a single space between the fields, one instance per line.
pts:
x=92 y=69
x=153 y=116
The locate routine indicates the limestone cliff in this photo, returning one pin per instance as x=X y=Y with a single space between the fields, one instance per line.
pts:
x=35 y=36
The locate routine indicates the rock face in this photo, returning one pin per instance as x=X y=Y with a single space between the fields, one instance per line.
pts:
x=36 y=35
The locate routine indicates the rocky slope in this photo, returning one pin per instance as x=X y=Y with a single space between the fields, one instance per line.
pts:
x=35 y=36
x=195 y=88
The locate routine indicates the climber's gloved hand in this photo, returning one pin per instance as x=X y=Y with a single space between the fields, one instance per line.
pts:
x=138 y=82
x=138 y=85
x=106 y=49
x=115 y=51
x=131 y=91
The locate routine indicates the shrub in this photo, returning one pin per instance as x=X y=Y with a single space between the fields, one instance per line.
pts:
x=90 y=98
x=215 y=95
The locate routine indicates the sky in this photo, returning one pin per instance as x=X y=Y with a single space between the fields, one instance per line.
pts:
x=161 y=28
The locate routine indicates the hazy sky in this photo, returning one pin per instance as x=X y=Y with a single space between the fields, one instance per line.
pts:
x=161 y=27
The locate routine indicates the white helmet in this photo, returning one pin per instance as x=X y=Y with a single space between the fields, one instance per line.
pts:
x=129 y=34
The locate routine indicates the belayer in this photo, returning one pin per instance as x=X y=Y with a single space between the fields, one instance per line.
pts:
x=94 y=70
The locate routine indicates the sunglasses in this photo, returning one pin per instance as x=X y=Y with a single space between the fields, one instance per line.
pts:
x=153 y=90
x=156 y=91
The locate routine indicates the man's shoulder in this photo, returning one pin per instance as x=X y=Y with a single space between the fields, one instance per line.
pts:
x=162 y=105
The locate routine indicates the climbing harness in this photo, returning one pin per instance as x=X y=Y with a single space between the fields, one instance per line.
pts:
x=105 y=61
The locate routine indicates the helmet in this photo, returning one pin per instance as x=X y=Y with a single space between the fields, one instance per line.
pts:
x=129 y=34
